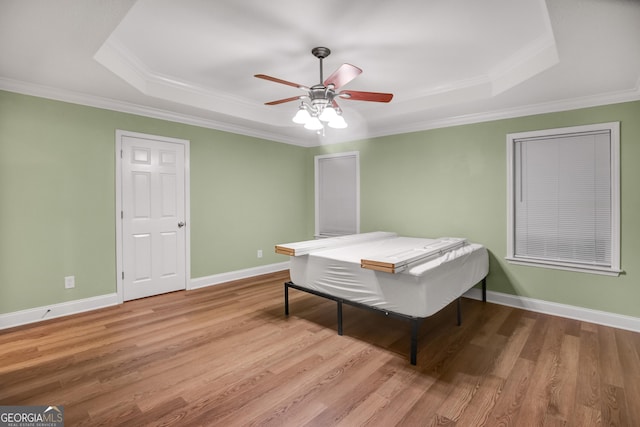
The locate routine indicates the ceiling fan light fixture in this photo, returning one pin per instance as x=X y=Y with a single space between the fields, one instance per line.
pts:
x=302 y=116
x=328 y=114
x=313 y=124
x=319 y=106
x=338 y=122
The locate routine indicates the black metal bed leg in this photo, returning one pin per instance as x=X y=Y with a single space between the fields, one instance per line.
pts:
x=459 y=311
x=286 y=299
x=339 y=317
x=484 y=290
x=415 y=325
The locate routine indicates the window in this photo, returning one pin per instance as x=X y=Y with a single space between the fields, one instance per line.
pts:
x=337 y=194
x=563 y=198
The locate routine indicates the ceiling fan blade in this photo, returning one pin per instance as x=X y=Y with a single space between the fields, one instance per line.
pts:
x=277 y=80
x=282 y=101
x=356 y=95
x=343 y=75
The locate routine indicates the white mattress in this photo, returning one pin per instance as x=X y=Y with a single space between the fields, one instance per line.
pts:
x=420 y=290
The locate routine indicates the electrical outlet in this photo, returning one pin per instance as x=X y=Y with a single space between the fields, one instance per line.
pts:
x=69 y=282
x=259 y=253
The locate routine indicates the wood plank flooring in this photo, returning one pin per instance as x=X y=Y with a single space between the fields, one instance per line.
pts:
x=226 y=355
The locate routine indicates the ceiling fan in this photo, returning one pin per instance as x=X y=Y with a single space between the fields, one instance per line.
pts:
x=319 y=104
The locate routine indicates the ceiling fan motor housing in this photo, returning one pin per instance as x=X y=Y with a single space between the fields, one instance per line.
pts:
x=321 y=96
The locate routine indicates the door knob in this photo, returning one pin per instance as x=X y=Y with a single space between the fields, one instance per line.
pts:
x=180 y=224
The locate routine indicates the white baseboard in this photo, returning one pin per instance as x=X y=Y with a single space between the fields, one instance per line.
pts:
x=37 y=314
x=563 y=310
x=216 y=279
x=31 y=315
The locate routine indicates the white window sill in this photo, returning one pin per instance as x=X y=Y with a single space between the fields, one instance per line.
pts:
x=605 y=271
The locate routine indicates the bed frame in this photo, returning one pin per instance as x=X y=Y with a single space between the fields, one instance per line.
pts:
x=415 y=321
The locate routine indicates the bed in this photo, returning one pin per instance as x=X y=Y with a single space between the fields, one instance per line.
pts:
x=405 y=277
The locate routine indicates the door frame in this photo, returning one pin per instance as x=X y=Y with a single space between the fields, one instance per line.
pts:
x=120 y=134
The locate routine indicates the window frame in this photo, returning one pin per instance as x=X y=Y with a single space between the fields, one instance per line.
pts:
x=512 y=138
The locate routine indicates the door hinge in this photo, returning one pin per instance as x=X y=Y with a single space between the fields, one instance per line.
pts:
x=123 y=275
x=121 y=155
x=121 y=214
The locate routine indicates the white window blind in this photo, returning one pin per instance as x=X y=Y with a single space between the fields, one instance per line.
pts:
x=563 y=198
x=337 y=194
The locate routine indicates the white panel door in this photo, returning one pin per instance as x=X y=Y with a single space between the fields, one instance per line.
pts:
x=153 y=217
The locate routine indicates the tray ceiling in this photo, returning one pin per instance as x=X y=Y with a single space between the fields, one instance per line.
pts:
x=447 y=62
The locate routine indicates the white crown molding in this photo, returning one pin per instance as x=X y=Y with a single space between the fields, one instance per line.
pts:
x=118 y=54
x=614 y=320
x=115 y=57
x=536 y=57
x=63 y=95
x=523 y=111
x=124 y=107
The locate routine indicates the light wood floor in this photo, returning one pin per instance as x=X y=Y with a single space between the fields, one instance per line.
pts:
x=226 y=355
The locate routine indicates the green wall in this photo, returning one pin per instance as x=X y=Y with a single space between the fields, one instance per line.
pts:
x=57 y=199
x=452 y=182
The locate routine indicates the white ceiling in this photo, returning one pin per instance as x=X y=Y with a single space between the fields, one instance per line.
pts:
x=447 y=62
